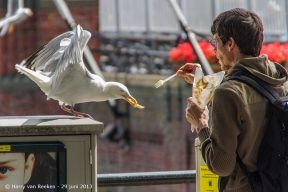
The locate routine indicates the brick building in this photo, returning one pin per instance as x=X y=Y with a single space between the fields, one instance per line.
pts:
x=160 y=136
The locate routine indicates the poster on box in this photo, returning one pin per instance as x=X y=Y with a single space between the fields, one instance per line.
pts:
x=32 y=167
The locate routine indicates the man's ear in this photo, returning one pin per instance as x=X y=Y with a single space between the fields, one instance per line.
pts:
x=231 y=43
x=29 y=166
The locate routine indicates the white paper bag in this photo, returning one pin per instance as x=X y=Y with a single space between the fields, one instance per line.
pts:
x=204 y=86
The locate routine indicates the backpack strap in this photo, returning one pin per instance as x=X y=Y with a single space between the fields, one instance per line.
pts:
x=259 y=85
x=222 y=181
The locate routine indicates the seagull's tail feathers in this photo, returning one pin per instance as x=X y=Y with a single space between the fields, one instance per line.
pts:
x=41 y=80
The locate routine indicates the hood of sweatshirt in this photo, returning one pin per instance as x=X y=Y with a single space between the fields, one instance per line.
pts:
x=270 y=72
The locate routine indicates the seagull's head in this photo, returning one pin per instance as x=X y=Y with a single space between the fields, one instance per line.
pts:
x=24 y=12
x=119 y=91
x=28 y=12
x=20 y=15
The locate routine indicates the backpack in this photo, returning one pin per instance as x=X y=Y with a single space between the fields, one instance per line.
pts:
x=272 y=159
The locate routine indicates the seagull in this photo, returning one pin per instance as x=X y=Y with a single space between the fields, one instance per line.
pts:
x=58 y=69
x=16 y=13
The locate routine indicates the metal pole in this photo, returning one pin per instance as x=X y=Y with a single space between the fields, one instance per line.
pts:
x=192 y=39
x=146 y=178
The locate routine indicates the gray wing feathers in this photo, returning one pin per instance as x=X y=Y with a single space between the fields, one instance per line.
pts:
x=53 y=58
x=69 y=54
x=47 y=57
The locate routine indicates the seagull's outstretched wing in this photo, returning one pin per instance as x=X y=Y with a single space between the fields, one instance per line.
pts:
x=55 y=56
x=71 y=54
x=21 y=3
x=47 y=57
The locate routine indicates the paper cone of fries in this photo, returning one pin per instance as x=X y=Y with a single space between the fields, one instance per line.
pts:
x=204 y=86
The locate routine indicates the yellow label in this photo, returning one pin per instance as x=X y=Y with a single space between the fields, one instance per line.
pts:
x=5 y=148
x=208 y=180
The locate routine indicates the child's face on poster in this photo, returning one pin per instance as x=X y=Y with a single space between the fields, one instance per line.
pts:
x=15 y=171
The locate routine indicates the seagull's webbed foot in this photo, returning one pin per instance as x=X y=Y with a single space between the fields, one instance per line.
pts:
x=75 y=113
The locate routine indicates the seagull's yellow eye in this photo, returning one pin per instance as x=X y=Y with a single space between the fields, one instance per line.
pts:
x=122 y=91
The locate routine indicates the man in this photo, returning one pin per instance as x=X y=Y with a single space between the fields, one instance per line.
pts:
x=239 y=113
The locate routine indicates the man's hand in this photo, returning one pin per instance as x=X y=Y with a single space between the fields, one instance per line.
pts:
x=187 y=71
x=196 y=116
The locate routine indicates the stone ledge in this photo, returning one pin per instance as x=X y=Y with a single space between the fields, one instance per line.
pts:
x=48 y=125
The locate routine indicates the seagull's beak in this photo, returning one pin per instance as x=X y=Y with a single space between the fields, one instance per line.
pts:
x=30 y=14
x=132 y=101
